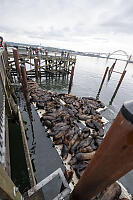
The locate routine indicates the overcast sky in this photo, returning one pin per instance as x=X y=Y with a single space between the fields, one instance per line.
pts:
x=85 y=25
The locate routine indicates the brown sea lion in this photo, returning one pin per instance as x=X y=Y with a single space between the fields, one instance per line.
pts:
x=73 y=140
x=86 y=142
x=87 y=149
x=60 y=134
x=74 y=147
x=85 y=156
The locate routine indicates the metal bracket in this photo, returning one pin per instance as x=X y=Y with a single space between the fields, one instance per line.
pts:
x=61 y=195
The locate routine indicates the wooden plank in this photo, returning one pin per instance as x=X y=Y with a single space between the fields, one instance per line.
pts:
x=7 y=187
x=26 y=150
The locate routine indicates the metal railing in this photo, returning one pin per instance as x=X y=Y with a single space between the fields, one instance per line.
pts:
x=65 y=193
x=2 y=112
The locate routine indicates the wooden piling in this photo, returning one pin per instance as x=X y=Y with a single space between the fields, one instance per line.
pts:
x=71 y=80
x=117 y=88
x=106 y=71
x=24 y=82
x=53 y=64
x=15 y=55
x=36 y=68
x=112 y=160
x=111 y=70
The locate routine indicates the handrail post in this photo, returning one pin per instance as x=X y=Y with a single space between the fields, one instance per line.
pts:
x=113 y=159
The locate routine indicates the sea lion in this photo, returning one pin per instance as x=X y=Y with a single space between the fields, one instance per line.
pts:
x=57 y=141
x=60 y=134
x=73 y=161
x=94 y=134
x=85 y=135
x=93 y=145
x=86 y=130
x=83 y=117
x=48 y=123
x=47 y=117
x=84 y=143
x=59 y=131
x=81 y=166
x=85 y=156
x=101 y=132
x=97 y=125
x=74 y=147
x=90 y=124
x=98 y=141
x=64 y=152
x=73 y=140
x=59 y=125
x=87 y=149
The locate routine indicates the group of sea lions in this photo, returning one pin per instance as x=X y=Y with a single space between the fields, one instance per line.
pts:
x=72 y=122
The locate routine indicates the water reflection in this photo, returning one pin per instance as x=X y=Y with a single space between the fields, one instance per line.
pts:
x=55 y=83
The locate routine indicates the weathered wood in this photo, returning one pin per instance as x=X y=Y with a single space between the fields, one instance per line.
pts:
x=15 y=54
x=117 y=88
x=7 y=187
x=26 y=150
x=71 y=80
x=102 y=82
x=53 y=64
x=24 y=82
x=36 y=68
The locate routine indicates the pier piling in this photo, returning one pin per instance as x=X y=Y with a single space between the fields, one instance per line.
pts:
x=36 y=68
x=113 y=159
x=15 y=55
x=71 y=80
x=24 y=81
x=117 y=88
x=106 y=71
x=111 y=70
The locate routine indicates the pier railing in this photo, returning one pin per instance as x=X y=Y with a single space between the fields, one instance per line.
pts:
x=2 y=111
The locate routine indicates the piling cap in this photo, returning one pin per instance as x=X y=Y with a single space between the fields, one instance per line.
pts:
x=127 y=110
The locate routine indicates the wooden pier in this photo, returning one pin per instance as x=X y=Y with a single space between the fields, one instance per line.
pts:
x=15 y=69
x=7 y=188
x=40 y=64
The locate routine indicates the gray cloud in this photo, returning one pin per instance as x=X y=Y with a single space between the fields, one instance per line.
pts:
x=66 y=20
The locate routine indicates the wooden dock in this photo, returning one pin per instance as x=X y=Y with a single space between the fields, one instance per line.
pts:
x=43 y=63
x=14 y=67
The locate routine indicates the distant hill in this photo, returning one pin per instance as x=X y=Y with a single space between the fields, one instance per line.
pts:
x=36 y=46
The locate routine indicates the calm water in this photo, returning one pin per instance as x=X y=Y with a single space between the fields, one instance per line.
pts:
x=87 y=78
